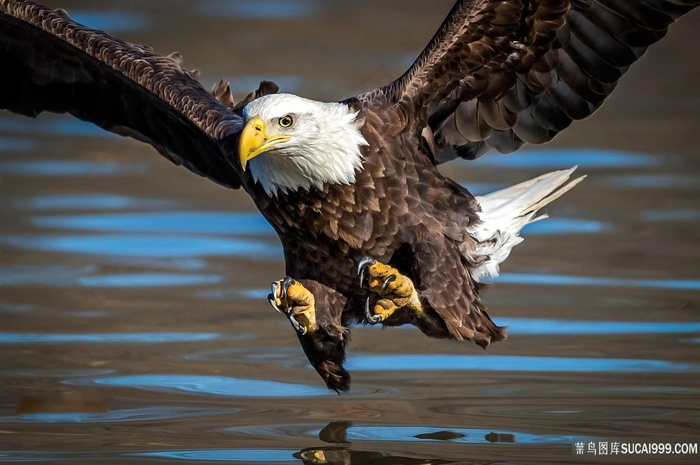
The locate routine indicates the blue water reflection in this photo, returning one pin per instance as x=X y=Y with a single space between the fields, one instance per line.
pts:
x=268 y=10
x=414 y=362
x=105 y=338
x=223 y=455
x=46 y=275
x=57 y=275
x=461 y=435
x=69 y=168
x=17 y=456
x=14 y=144
x=482 y=188
x=345 y=432
x=551 y=326
x=566 y=158
x=136 y=280
x=564 y=226
x=89 y=201
x=214 y=385
x=171 y=222
x=117 y=415
x=52 y=125
x=112 y=21
x=248 y=293
x=143 y=245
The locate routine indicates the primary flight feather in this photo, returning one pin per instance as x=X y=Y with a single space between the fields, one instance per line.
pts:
x=371 y=231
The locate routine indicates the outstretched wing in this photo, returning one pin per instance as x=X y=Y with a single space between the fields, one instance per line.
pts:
x=498 y=74
x=50 y=63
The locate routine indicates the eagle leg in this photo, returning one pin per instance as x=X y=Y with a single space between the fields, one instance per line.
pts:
x=315 y=312
x=296 y=302
x=394 y=289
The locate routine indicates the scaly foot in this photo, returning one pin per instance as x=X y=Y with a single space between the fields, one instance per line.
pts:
x=297 y=303
x=394 y=289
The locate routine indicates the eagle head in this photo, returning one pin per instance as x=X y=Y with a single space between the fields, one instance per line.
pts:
x=290 y=143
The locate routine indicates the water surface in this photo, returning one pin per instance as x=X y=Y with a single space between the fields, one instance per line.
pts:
x=134 y=325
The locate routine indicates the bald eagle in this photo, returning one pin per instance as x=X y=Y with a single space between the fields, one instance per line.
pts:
x=372 y=232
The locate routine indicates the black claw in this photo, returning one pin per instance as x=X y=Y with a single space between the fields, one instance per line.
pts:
x=364 y=261
x=390 y=279
x=286 y=282
x=297 y=327
x=371 y=317
x=273 y=295
x=362 y=266
x=271 y=299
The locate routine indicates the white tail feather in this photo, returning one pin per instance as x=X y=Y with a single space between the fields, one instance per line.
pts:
x=504 y=213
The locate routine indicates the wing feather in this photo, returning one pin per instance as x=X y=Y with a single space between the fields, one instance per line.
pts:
x=498 y=74
x=50 y=63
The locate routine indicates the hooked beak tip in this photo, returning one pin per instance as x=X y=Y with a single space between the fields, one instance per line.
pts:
x=252 y=140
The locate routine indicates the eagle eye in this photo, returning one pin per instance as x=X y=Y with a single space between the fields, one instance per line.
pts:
x=286 y=121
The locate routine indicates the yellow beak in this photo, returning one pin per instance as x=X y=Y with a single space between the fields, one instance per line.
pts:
x=254 y=140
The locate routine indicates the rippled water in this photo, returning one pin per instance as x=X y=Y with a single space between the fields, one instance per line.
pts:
x=133 y=320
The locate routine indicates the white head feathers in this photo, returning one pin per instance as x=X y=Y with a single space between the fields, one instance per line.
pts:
x=323 y=143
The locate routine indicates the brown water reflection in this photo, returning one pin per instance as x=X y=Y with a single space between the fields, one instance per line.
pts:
x=133 y=321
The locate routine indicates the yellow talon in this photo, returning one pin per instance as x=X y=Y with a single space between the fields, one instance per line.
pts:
x=291 y=298
x=396 y=290
x=384 y=308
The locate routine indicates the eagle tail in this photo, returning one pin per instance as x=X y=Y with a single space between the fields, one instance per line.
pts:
x=505 y=212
